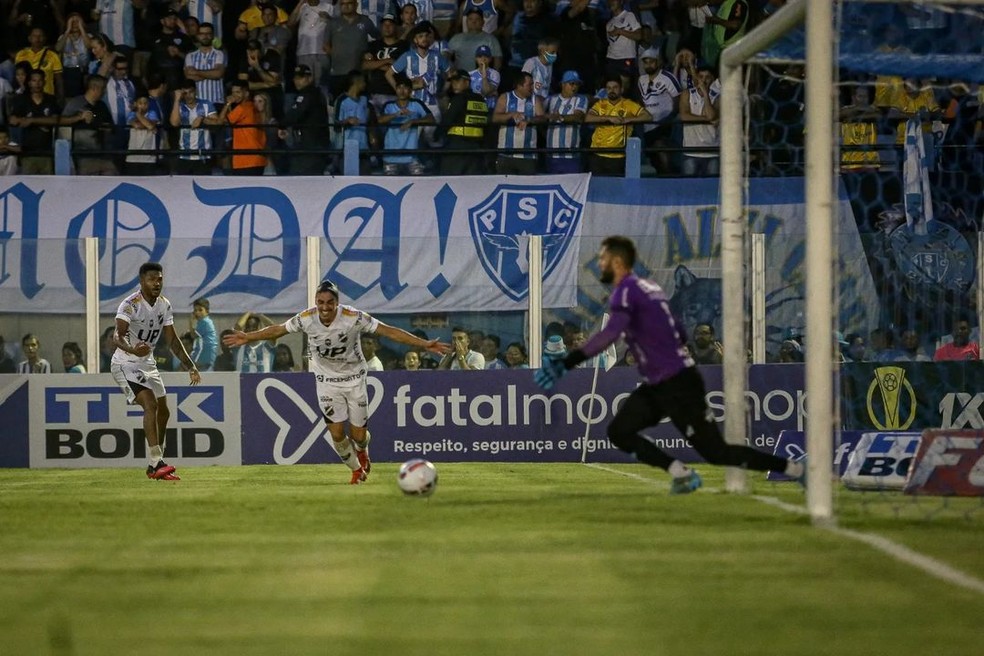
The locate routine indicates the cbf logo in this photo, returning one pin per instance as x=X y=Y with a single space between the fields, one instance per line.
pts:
x=894 y=408
x=504 y=222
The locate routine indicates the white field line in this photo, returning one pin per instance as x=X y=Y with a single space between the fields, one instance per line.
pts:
x=935 y=568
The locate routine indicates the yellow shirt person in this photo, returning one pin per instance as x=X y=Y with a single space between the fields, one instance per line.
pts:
x=614 y=133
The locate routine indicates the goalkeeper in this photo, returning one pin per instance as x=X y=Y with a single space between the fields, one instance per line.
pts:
x=673 y=387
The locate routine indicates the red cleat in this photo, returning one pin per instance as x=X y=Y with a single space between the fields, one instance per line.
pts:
x=358 y=476
x=364 y=460
x=160 y=471
x=171 y=477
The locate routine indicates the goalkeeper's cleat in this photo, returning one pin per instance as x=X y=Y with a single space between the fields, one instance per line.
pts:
x=801 y=479
x=686 y=484
x=159 y=471
x=358 y=476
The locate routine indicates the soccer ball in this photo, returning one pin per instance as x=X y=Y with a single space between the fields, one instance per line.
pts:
x=417 y=477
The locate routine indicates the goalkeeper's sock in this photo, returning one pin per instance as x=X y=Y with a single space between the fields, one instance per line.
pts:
x=794 y=469
x=678 y=470
x=345 y=452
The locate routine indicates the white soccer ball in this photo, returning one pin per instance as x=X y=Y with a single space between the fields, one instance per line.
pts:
x=417 y=477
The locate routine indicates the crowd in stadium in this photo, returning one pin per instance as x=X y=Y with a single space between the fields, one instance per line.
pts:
x=249 y=87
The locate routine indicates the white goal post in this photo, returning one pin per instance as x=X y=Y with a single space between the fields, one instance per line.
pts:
x=819 y=193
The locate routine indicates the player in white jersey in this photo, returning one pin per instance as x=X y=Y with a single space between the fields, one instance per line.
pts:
x=339 y=367
x=141 y=320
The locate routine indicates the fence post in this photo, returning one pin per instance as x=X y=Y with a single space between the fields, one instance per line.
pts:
x=63 y=157
x=633 y=158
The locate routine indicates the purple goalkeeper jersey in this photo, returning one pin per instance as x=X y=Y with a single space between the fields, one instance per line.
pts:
x=639 y=309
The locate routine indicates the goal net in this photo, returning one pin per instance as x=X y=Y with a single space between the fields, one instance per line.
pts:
x=893 y=163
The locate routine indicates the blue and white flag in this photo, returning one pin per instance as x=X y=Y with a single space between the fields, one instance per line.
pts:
x=915 y=176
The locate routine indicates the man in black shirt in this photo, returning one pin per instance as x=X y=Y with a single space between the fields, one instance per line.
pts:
x=308 y=120
x=170 y=48
x=262 y=71
x=378 y=59
x=36 y=113
x=91 y=123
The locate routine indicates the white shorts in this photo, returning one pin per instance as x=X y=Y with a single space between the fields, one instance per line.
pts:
x=141 y=374
x=340 y=404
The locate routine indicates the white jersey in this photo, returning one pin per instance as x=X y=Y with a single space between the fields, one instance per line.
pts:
x=146 y=321
x=336 y=350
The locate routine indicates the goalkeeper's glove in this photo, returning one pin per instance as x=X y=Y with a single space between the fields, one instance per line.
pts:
x=552 y=370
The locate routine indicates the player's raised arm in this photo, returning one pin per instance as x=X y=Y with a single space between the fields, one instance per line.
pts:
x=239 y=338
x=178 y=348
x=403 y=337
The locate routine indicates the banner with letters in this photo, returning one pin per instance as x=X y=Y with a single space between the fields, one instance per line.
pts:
x=391 y=244
x=493 y=416
x=67 y=420
x=404 y=245
x=78 y=421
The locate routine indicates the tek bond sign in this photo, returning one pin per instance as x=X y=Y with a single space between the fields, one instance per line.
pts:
x=80 y=421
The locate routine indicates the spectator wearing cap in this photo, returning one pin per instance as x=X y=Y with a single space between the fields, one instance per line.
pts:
x=659 y=89
x=309 y=21
x=425 y=68
x=541 y=66
x=307 y=120
x=614 y=115
x=206 y=67
x=624 y=32
x=464 y=46
x=517 y=112
x=485 y=78
x=379 y=58
x=262 y=73
x=565 y=114
x=349 y=35
x=463 y=127
x=490 y=14
x=401 y=119
x=170 y=48
x=352 y=113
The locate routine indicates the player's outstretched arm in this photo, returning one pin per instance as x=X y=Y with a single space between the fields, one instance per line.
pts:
x=239 y=338
x=403 y=337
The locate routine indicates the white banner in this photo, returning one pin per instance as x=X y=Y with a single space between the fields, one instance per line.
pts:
x=84 y=421
x=395 y=245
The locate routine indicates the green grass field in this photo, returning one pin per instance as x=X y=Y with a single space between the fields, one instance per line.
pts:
x=503 y=559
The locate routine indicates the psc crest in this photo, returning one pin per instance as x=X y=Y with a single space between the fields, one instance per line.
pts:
x=503 y=223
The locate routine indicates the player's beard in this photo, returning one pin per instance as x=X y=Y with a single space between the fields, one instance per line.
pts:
x=607 y=276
